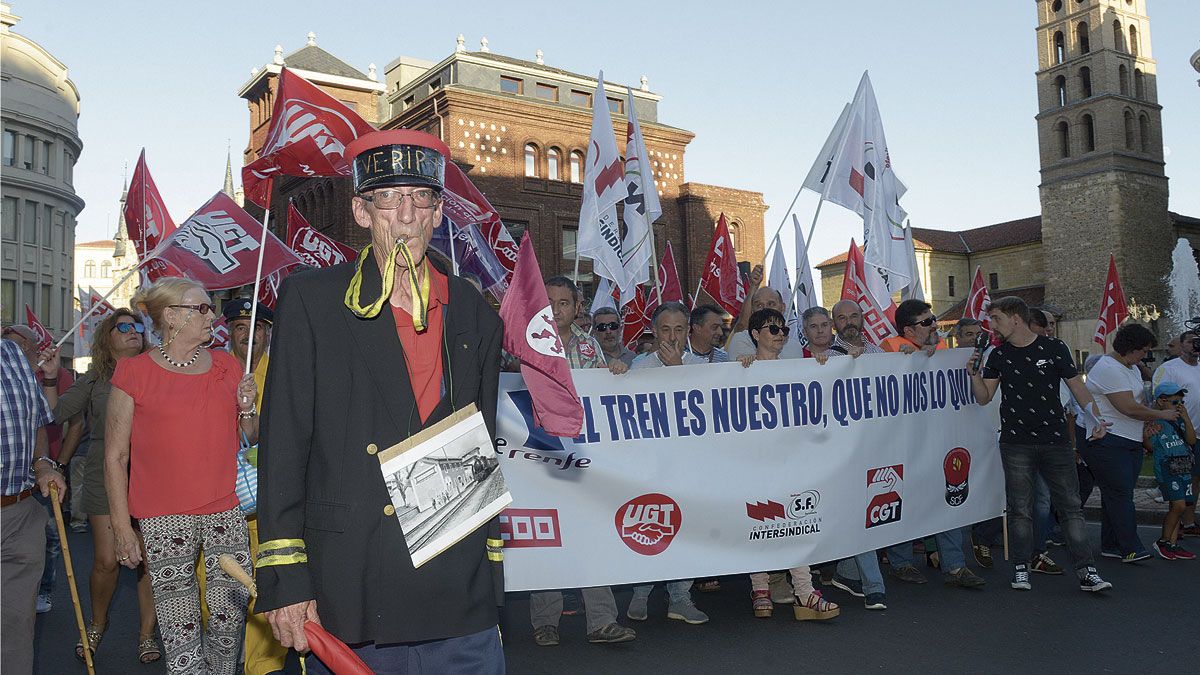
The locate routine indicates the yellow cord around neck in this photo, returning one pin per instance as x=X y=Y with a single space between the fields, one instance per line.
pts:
x=419 y=290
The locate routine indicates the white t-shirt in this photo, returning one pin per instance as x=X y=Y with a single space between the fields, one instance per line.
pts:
x=1109 y=376
x=1179 y=372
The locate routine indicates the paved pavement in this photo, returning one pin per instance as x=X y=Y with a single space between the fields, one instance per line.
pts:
x=1147 y=623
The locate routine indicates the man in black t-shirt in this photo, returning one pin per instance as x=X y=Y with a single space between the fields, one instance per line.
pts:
x=1033 y=434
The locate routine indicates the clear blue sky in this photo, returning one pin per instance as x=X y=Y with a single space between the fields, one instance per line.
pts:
x=760 y=84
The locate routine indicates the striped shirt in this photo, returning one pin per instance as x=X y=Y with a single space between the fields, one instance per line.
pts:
x=867 y=347
x=23 y=410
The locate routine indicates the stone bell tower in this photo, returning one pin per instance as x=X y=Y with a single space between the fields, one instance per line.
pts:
x=1103 y=187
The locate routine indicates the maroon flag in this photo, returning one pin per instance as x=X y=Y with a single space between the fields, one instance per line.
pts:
x=218 y=246
x=309 y=133
x=146 y=216
x=312 y=247
x=268 y=290
x=978 y=301
x=156 y=268
x=668 y=277
x=531 y=335
x=45 y=339
x=635 y=319
x=721 y=279
x=878 y=324
x=1113 y=309
x=94 y=299
x=220 y=338
x=465 y=205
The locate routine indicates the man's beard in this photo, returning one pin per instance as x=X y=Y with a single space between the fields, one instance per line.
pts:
x=851 y=332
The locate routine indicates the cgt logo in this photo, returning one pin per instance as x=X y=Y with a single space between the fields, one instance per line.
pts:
x=957 y=467
x=530 y=528
x=883 y=492
x=647 y=524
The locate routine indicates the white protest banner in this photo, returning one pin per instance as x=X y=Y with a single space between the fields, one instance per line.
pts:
x=697 y=471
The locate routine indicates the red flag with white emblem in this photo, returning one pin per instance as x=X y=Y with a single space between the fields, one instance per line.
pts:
x=878 y=321
x=308 y=136
x=721 y=278
x=978 y=301
x=668 y=277
x=635 y=319
x=312 y=247
x=1113 y=309
x=220 y=332
x=43 y=335
x=532 y=337
x=146 y=217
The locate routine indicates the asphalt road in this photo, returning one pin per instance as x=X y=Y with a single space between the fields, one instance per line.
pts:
x=1146 y=623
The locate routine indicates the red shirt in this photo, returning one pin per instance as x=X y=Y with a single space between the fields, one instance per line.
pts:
x=185 y=437
x=54 y=432
x=423 y=351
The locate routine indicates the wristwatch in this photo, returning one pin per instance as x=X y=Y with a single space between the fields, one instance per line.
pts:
x=57 y=467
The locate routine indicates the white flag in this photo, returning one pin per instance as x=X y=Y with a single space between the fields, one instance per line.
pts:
x=913 y=290
x=861 y=179
x=603 y=187
x=641 y=207
x=806 y=291
x=818 y=176
x=603 y=296
x=780 y=281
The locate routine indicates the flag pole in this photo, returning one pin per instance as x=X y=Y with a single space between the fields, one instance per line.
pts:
x=784 y=221
x=262 y=247
x=453 y=251
x=96 y=305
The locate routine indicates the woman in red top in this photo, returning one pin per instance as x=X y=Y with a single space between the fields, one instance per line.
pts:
x=173 y=420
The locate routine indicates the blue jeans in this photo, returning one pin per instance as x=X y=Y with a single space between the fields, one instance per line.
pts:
x=53 y=548
x=475 y=654
x=1056 y=465
x=950 y=550
x=1115 y=462
x=863 y=567
x=677 y=591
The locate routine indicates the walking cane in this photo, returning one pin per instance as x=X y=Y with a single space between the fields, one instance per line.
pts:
x=66 y=551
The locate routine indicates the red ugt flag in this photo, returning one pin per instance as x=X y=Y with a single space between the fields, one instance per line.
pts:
x=635 y=317
x=146 y=215
x=308 y=136
x=312 y=247
x=978 y=301
x=531 y=335
x=877 y=325
x=218 y=246
x=721 y=279
x=1113 y=309
x=45 y=339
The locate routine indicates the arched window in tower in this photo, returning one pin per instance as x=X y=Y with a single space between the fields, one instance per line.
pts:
x=552 y=164
x=1056 y=6
x=531 y=160
x=1081 y=36
x=576 y=166
x=1089 y=133
x=1123 y=77
x=1060 y=47
x=735 y=235
x=89 y=269
x=1144 y=132
x=1118 y=36
x=1085 y=81
x=1060 y=90
x=1139 y=84
x=105 y=269
x=1133 y=40
x=1129 y=140
x=1063 y=131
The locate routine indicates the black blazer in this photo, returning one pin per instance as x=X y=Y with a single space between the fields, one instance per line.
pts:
x=337 y=391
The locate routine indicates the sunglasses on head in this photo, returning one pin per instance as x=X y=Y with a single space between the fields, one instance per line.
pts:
x=602 y=327
x=203 y=308
x=776 y=330
x=126 y=327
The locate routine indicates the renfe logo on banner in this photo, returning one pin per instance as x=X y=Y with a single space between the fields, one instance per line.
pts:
x=648 y=523
x=883 y=487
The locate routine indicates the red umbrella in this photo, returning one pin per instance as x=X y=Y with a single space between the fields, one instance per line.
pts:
x=334 y=653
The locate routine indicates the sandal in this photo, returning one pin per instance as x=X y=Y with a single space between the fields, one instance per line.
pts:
x=94 y=635
x=149 y=651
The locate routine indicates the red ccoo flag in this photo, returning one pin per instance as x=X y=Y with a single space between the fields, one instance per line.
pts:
x=312 y=247
x=531 y=335
x=668 y=277
x=978 y=301
x=635 y=319
x=1113 y=309
x=309 y=132
x=877 y=324
x=44 y=337
x=721 y=278
x=146 y=215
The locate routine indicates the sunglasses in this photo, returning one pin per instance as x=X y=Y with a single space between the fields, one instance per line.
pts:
x=611 y=325
x=203 y=308
x=126 y=327
x=776 y=330
x=926 y=323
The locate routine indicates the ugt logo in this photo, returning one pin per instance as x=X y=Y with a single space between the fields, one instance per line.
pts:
x=648 y=523
x=883 y=491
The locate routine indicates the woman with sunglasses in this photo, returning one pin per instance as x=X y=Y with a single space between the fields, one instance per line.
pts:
x=769 y=333
x=173 y=416
x=119 y=336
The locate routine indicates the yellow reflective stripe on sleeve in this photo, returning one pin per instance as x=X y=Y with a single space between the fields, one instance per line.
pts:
x=289 y=559
x=276 y=544
x=498 y=543
x=495 y=557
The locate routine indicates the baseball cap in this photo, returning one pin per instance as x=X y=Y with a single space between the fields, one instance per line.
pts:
x=1168 y=388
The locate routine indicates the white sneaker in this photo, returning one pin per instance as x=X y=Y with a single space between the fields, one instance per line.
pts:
x=43 y=604
x=1021 y=578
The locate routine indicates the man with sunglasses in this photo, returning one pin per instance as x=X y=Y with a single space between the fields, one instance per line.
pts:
x=608 y=331
x=365 y=355
x=917 y=329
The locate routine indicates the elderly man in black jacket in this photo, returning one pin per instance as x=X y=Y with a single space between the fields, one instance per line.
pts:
x=364 y=355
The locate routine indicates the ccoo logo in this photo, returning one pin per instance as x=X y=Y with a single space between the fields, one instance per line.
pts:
x=648 y=523
x=884 y=485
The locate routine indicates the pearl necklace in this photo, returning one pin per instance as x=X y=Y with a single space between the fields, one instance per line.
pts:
x=169 y=360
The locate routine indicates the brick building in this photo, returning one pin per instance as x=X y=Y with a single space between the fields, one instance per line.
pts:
x=520 y=130
x=1103 y=189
